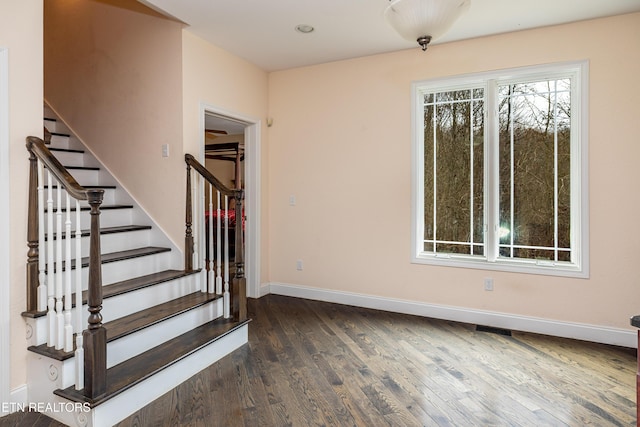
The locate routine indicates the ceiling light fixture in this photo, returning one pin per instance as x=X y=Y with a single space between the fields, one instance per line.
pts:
x=423 y=20
x=304 y=28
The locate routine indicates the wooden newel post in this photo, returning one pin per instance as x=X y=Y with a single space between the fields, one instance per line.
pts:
x=239 y=282
x=32 y=235
x=188 y=235
x=95 y=337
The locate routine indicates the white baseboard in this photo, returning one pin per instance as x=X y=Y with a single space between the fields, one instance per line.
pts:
x=579 y=331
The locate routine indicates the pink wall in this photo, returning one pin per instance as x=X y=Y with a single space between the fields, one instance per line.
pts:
x=115 y=76
x=341 y=144
x=21 y=34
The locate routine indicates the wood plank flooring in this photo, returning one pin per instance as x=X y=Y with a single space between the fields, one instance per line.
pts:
x=311 y=363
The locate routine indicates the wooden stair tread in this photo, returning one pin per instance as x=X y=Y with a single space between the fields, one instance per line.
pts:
x=129 y=285
x=60 y=134
x=86 y=186
x=85 y=168
x=131 y=253
x=66 y=150
x=103 y=231
x=88 y=208
x=135 y=370
x=139 y=320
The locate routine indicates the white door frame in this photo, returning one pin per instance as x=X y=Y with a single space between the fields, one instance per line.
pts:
x=5 y=212
x=252 y=132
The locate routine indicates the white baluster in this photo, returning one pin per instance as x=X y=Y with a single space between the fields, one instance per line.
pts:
x=226 y=296
x=51 y=276
x=78 y=270
x=202 y=240
x=79 y=354
x=209 y=223
x=219 y=249
x=59 y=272
x=42 y=258
x=68 y=328
x=79 y=359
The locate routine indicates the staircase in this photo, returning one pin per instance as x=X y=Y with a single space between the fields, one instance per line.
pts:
x=162 y=325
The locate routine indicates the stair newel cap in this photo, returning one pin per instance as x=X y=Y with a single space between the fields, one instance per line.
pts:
x=95 y=196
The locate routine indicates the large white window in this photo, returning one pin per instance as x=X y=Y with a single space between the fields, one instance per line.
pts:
x=500 y=170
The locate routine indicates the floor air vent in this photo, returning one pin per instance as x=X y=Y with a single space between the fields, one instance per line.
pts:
x=493 y=330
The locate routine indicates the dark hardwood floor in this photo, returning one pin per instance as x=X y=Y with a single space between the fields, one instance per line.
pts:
x=312 y=363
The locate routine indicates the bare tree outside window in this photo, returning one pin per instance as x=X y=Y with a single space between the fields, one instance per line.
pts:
x=535 y=163
x=454 y=172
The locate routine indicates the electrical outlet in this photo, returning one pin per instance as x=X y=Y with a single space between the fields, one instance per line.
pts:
x=292 y=200
x=488 y=284
x=299 y=265
x=165 y=150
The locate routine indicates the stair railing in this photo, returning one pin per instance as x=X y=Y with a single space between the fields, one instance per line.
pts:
x=54 y=270
x=207 y=240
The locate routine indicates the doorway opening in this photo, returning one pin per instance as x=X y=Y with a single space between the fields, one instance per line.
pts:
x=230 y=150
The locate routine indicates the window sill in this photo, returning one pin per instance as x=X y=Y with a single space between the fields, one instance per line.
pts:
x=545 y=268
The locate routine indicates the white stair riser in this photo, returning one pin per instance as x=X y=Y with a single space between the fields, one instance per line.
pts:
x=86 y=176
x=108 y=199
x=54 y=126
x=111 y=242
x=126 y=347
x=108 y=218
x=68 y=158
x=60 y=141
x=122 y=270
x=126 y=269
x=131 y=302
x=120 y=305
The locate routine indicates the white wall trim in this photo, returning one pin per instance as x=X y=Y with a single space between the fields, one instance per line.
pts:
x=16 y=401
x=5 y=212
x=253 y=189
x=580 y=331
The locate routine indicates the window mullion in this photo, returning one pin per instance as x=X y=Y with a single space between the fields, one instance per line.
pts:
x=471 y=206
x=435 y=177
x=491 y=160
x=511 y=177
x=555 y=169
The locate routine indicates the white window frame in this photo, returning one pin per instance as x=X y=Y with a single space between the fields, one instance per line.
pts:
x=579 y=267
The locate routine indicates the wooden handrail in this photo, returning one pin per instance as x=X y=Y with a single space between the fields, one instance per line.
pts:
x=223 y=189
x=95 y=343
x=238 y=285
x=36 y=146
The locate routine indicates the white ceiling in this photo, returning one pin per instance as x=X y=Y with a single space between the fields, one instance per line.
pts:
x=262 y=31
x=215 y=122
